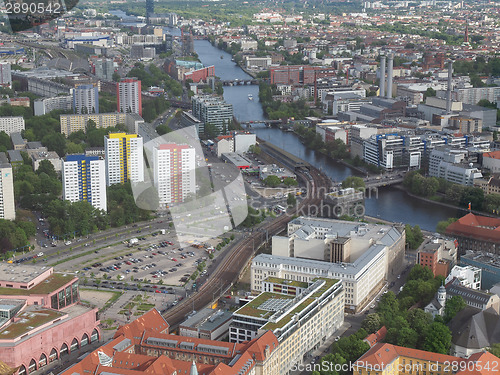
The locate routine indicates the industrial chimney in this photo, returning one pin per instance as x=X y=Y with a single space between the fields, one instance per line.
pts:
x=389 y=75
x=448 y=90
x=382 y=77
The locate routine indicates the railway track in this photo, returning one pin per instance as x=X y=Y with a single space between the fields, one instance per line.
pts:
x=234 y=261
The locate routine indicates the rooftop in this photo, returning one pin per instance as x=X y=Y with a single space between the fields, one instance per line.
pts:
x=479 y=227
x=277 y=280
x=21 y=273
x=51 y=283
x=29 y=319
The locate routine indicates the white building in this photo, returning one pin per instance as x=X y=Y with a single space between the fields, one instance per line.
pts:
x=86 y=99
x=124 y=158
x=128 y=91
x=44 y=106
x=5 y=75
x=243 y=141
x=468 y=276
x=474 y=94
x=302 y=315
x=448 y=164
x=174 y=172
x=84 y=179
x=212 y=109
x=7 y=204
x=11 y=124
x=224 y=144
x=436 y=306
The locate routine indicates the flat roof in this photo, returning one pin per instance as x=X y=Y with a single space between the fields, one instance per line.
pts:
x=236 y=159
x=29 y=319
x=22 y=273
x=277 y=280
x=51 y=283
x=15 y=156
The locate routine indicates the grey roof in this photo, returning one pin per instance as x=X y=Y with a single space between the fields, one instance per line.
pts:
x=3 y=158
x=122 y=345
x=470 y=296
x=435 y=303
x=35 y=144
x=208 y=319
x=16 y=138
x=15 y=156
x=476 y=329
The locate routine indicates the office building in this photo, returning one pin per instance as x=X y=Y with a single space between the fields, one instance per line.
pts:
x=487 y=262
x=38 y=156
x=5 y=75
x=439 y=255
x=207 y=324
x=302 y=315
x=472 y=297
x=128 y=92
x=124 y=158
x=7 y=204
x=17 y=141
x=476 y=233
x=174 y=172
x=365 y=255
x=451 y=165
x=74 y=123
x=85 y=99
x=44 y=106
x=84 y=179
x=468 y=276
x=187 y=119
x=146 y=346
x=104 y=68
x=41 y=318
x=213 y=110
x=150 y=10
x=472 y=95
x=11 y=124
x=388 y=359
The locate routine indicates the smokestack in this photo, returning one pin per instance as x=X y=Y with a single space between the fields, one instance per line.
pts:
x=382 y=77
x=389 y=75
x=448 y=90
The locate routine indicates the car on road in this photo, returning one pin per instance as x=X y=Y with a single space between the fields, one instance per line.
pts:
x=67 y=243
x=40 y=254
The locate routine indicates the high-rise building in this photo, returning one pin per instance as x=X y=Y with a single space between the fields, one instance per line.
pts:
x=211 y=109
x=128 y=91
x=150 y=9
x=5 y=75
x=84 y=179
x=124 y=158
x=7 y=207
x=85 y=99
x=104 y=68
x=174 y=172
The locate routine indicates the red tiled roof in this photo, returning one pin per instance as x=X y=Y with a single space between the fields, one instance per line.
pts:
x=151 y=321
x=492 y=154
x=475 y=226
x=376 y=337
x=485 y=364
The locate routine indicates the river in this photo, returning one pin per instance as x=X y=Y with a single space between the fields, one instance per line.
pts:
x=391 y=204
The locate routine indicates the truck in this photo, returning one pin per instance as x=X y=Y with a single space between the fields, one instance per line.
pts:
x=132 y=242
x=162 y=231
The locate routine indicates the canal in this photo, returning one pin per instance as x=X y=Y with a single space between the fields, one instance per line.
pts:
x=389 y=204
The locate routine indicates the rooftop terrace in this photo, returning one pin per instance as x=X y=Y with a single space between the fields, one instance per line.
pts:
x=28 y=320
x=53 y=282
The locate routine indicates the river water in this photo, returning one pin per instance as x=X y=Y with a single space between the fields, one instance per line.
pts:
x=390 y=204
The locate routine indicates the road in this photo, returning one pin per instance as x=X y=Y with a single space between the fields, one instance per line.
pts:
x=228 y=270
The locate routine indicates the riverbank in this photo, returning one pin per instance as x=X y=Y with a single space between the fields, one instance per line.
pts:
x=448 y=205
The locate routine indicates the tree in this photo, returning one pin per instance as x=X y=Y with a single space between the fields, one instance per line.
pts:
x=429 y=92
x=388 y=307
x=47 y=167
x=371 y=323
x=355 y=182
x=452 y=307
x=291 y=200
x=290 y=181
x=438 y=339
x=272 y=181
x=407 y=337
x=495 y=349
x=116 y=77
x=443 y=224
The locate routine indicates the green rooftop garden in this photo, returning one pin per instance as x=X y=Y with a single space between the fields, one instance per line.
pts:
x=29 y=320
x=53 y=282
x=252 y=308
x=277 y=280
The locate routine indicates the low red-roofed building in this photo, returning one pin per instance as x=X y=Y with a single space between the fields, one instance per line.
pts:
x=144 y=346
x=476 y=233
x=388 y=359
x=376 y=337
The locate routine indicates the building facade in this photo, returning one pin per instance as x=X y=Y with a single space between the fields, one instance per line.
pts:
x=74 y=123
x=5 y=75
x=124 y=158
x=84 y=179
x=128 y=92
x=213 y=110
x=85 y=99
x=11 y=124
x=41 y=318
x=489 y=265
x=7 y=203
x=302 y=315
x=174 y=172
x=44 y=106
x=476 y=233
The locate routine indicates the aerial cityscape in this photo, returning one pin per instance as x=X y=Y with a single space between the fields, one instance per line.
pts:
x=259 y=187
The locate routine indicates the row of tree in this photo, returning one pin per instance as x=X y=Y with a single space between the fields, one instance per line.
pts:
x=336 y=149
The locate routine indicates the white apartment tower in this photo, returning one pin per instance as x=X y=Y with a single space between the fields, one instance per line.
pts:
x=128 y=91
x=86 y=99
x=124 y=158
x=5 y=75
x=84 y=179
x=7 y=206
x=174 y=172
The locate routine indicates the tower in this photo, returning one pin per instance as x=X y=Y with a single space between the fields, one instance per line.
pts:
x=124 y=158
x=150 y=10
x=441 y=296
x=382 y=77
x=466 y=36
x=390 y=62
x=128 y=92
x=86 y=99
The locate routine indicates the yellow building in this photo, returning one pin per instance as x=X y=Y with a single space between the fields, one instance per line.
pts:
x=387 y=359
x=124 y=158
x=74 y=123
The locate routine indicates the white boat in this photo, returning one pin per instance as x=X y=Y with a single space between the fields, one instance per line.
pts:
x=250 y=97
